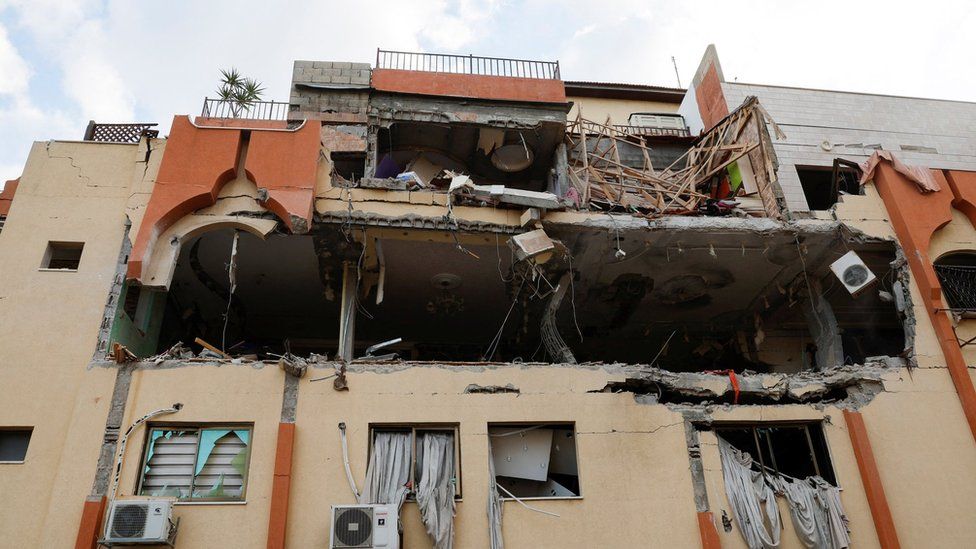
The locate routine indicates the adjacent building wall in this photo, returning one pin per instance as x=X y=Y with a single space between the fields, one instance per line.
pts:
x=619 y=110
x=823 y=125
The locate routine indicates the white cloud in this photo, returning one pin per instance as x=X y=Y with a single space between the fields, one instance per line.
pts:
x=21 y=122
x=13 y=68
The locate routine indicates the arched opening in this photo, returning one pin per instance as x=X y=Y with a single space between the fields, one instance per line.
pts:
x=279 y=303
x=957 y=276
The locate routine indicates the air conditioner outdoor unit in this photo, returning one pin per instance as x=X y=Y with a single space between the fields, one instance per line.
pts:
x=364 y=526
x=853 y=273
x=140 y=522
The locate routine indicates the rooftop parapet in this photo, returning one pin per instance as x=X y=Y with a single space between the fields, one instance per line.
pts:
x=471 y=76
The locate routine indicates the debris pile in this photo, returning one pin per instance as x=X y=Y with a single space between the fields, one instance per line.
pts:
x=700 y=181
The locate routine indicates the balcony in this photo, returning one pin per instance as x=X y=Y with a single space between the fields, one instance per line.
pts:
x=470 y=76
x=651 y=131
x=257 y=114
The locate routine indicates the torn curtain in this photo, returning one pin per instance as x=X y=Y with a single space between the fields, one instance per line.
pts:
x=388 y=471
x=815 y=507
x=436 y=487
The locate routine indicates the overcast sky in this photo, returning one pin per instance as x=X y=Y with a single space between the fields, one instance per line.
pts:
x=64 y=62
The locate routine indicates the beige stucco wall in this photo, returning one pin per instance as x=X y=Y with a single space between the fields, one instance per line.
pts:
x=619 y=110
x=48 y=328
x=212 y=394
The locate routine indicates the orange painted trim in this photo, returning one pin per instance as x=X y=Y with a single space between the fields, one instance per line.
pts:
x=884 y=525
x=90 y=528
x=709 y=535
x=504 y=88
x=7 y=195
x=712 y=105
x=198 y=161
x=278 y=516
x=915 y=217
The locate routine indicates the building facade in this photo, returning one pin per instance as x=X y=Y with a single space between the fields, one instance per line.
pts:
x=527 y=312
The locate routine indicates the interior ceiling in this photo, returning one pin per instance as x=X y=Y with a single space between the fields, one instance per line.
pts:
x=702 y=279
x=277 y=283
x=455 y=146
x=409 y=291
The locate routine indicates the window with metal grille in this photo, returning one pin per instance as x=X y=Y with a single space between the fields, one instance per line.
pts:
x=798 y=450
x=196 y=463
x=417 y=432
x=957 y=276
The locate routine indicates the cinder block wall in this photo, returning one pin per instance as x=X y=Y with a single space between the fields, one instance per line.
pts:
x=823 y=125
x=343 y=86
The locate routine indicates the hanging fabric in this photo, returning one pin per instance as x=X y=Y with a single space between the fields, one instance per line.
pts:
x=436 y=487
x=815 y=507
x=388 y=471
x=815 y=510
x=494 y=505
x=753 y=501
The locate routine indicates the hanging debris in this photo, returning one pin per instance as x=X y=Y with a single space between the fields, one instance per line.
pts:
x=689 y=185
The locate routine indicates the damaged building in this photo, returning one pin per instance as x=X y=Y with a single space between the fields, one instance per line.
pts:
x=457 y=301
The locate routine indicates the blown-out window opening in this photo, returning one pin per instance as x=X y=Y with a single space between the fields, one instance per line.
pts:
x=196 y=462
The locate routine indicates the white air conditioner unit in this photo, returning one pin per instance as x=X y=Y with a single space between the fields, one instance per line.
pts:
x=140 y=522
x=364 y=526
x=853 y=273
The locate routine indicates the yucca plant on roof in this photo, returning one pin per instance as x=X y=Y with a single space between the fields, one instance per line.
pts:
x=239 y=91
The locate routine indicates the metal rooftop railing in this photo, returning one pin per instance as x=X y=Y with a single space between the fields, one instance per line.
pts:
x=257 y=110
x=467 y=64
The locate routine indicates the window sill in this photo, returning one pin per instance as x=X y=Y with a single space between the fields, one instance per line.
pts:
x=543 y=498
x=193 y=503
x=47 y=270
x=21 y=462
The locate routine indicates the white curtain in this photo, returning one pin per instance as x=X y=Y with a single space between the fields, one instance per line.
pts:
x=494 y=505
x=816 y=512
x=436 y=487
x=389 y=470
x=815 y=508
x=753 y=501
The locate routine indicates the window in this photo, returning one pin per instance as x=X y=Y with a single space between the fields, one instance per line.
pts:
x=795 y=450
x=64 y=256
x=822 y=186
x=13 y=443
x=535 y=461
x=196 y=463
x=957 y=276
x=414 y=437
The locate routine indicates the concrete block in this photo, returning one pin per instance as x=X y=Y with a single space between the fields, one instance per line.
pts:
x=341 y=65
x=322 y=64
x=341 y=80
